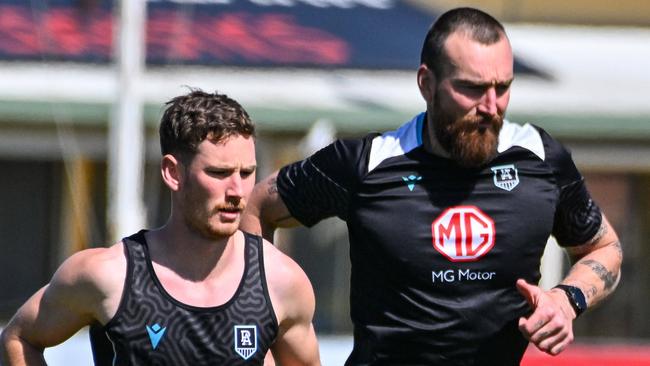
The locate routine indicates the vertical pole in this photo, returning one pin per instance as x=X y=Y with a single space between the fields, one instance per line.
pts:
x=126 y=213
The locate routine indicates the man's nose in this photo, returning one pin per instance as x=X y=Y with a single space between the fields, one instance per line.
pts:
x=488 y=103
x=235 y=186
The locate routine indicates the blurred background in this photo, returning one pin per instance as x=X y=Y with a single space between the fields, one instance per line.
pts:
x=83 y=83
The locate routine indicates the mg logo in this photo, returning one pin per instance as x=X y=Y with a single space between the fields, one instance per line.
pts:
x=463 y=233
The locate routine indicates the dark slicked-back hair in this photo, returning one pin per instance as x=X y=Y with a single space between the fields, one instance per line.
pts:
x=189 y=119
x=477 y=25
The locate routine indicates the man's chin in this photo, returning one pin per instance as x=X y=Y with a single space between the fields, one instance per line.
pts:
x=474 y=155
x=470 y=142
x=220 y=230
x=474 y=162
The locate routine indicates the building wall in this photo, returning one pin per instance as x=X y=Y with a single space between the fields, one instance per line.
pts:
x=624 y=198
x=29 y=212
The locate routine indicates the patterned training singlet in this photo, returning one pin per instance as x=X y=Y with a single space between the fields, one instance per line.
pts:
x=150 y=327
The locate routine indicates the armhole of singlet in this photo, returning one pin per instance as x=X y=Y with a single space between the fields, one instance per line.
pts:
x=127 y=281
x=265 y=287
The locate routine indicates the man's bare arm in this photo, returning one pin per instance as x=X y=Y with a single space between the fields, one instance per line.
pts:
x=597 y=265
x=294 y=303
x=16 y=346
x=52 y=315
x=596 y=271
x=266 y=211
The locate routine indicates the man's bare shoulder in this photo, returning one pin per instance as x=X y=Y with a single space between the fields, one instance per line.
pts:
x=92 y=265
x=281 y=269
x=291 y=292
x=83 y=290
x=93 y=278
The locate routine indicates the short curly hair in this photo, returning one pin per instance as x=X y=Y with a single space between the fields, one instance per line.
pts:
x=189 y=119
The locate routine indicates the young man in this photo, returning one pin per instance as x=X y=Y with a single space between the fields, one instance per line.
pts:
x=448 y=216
x=196 y=291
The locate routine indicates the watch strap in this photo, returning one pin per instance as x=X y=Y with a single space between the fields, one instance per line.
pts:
x=576 y=298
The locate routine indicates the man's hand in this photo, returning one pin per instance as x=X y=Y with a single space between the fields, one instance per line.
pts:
x=550 y=326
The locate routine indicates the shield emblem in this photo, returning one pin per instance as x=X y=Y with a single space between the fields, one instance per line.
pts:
x=505 y=177
x=245 y=340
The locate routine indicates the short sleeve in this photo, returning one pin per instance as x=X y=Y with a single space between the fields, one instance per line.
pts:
x=322 y=185
x=577 y=217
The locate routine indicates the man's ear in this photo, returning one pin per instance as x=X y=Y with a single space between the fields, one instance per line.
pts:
x=171 y=170
x=426 y=83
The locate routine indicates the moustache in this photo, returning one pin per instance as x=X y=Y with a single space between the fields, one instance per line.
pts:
x=478 y=124
x=229 y=206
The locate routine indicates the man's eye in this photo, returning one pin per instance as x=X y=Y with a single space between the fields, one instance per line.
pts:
x=472 y=89
x=218 y=173
x=502 y=89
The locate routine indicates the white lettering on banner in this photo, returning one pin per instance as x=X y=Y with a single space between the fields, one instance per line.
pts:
x=343 y=4
x=461 y=275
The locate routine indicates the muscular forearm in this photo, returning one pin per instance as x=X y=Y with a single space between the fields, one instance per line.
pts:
x=17 y=352
x=596 y=268
x=253 y=222
x=266 y=211
x=597 y=273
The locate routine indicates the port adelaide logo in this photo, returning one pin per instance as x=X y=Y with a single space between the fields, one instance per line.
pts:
x=505 y=177
x=245 y=340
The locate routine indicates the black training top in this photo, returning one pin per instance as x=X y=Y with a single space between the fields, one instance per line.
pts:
x=152 y=328
x=436 y=248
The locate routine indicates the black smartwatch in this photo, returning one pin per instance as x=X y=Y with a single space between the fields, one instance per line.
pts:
x=576 y=298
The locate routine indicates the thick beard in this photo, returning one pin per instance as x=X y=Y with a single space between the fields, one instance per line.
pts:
x=469 y=144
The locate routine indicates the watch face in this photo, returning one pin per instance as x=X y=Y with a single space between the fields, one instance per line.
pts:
x=576 y=298
x=579 y=298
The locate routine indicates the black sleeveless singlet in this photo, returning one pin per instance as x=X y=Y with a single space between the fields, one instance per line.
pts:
x=152 y=328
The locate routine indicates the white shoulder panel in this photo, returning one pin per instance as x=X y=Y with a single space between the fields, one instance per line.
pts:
x=525 y=136
x=396 y=142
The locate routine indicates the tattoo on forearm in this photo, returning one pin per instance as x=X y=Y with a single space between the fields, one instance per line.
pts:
x=619 y=249
x=273 y=186
x=602 y=230
x=608 y=278
x=591 y=292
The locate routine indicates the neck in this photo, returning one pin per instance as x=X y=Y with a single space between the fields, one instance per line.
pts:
x=189 y=254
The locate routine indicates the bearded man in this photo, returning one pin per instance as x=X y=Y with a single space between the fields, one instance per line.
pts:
x=448 y=216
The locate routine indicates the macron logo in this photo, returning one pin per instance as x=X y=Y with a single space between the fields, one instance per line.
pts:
x=411 y=180
x=155 y=334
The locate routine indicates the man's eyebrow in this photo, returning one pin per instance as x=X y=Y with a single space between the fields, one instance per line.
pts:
x=232 y=166
x=482 y=83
